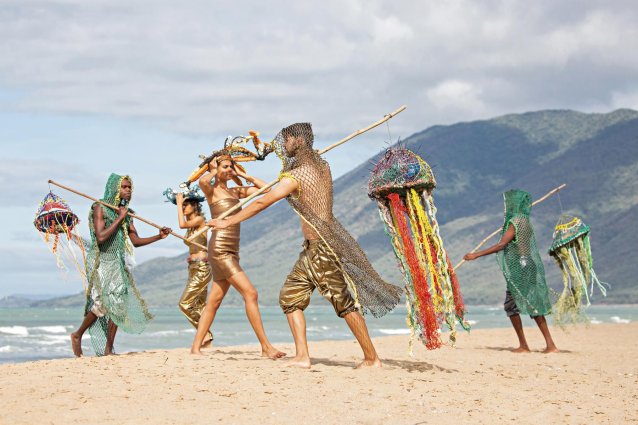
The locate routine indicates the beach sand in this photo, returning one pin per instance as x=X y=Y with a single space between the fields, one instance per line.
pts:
x=593 y=381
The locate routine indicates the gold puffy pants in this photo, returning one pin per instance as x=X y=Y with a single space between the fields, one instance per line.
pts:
x=316 y=268
x=193 y=298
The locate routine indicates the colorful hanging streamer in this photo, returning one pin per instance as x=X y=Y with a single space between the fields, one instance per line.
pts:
x=402 y=184
x=57 y=224
x=572 y=252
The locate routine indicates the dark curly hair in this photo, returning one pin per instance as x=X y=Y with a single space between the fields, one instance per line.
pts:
x=197 y=205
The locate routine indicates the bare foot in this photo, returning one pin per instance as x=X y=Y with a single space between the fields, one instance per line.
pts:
x=521 y=350
x=196 y=353
x=301 y=362
x=369 y=363
x=550 y=350
x=76 y=345
x=272 y=353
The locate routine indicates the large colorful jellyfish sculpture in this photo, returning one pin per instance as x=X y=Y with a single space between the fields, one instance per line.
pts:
x=402 y=185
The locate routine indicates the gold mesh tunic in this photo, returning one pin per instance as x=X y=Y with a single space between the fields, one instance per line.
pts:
x=223 y=248
x=313 y=203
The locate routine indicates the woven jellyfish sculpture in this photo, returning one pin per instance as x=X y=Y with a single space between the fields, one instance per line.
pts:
x=57 y=224
x=572 y=252
x=402 y=184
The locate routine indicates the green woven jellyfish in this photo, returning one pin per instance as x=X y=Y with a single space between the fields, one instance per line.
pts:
x=572 y=252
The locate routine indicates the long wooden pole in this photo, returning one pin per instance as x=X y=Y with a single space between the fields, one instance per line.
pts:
x=496 y=232
x=150 y=223
x=321 y=152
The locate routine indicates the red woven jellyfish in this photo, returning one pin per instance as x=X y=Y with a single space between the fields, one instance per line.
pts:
x=57 y=224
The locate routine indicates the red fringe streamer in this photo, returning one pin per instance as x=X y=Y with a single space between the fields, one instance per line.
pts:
x=456 y=290
x=426 y=309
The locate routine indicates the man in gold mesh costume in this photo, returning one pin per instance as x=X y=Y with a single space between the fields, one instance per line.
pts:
x=331 y=260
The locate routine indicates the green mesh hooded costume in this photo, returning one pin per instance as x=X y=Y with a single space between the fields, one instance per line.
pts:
x=112 y=293
x=520 y=260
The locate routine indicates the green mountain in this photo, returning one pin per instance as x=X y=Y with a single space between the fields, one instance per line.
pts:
x=474 y=162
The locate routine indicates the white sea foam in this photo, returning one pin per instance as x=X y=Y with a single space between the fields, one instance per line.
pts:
x=163 y=333
x=616 y=319
x=472 y=322
x=52 y=329
x=395 y=331
x=7 y=349
x=14 y=330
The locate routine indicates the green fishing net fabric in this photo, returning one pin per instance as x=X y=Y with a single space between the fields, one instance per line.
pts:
x=572 y=252
x=520 y=260
x=111 y=293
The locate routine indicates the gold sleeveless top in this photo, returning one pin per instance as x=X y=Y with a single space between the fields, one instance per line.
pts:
x=223 y=247
x=201 y=239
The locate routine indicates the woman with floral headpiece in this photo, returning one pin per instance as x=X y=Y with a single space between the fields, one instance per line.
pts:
x=193 y=299
x=223 y=250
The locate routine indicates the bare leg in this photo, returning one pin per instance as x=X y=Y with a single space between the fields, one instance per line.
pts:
x=357 y=325
x=242 y=284
x=297 y=323
x=76 y=337
x=518 y=327
x=549 y=342
x=217 y=293
x=110 y=338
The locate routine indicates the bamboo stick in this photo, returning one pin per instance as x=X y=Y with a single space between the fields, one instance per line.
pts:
x=321 y=152
x=496 y=232
x=150 y=223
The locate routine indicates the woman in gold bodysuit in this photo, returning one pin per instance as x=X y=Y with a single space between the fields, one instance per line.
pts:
x=223 y=251
x=193 y=299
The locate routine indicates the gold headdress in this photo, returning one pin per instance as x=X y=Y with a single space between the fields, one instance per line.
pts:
x=234 y=151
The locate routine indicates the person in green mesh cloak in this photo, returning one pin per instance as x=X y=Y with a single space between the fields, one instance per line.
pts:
x=520 y=261
x=112 y=299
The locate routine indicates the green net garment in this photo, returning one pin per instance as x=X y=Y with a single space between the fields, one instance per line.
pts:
x=111 y=292
x=520 y=260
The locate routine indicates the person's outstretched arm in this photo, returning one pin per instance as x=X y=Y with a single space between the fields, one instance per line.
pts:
x=137 y=241
x=508 y=237
x=284 y=188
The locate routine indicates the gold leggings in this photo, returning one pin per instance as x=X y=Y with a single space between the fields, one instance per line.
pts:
x=193 y=298
x=316 y=268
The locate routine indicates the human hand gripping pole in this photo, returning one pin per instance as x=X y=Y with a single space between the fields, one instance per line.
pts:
x=321 y=152
x=116 y=208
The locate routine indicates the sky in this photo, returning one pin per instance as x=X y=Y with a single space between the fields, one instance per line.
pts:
x=143 y=87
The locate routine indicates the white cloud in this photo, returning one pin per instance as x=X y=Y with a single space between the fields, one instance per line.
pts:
x=457 y=96
x=219 y=66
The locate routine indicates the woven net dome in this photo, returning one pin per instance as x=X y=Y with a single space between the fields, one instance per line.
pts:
x=399 y=170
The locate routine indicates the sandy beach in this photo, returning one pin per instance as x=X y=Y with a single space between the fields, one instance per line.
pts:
x=593 y=380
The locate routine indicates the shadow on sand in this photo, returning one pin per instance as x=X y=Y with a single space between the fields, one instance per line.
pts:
x=407 y=365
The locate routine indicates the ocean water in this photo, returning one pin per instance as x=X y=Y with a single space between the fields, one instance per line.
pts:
x=36 y=334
